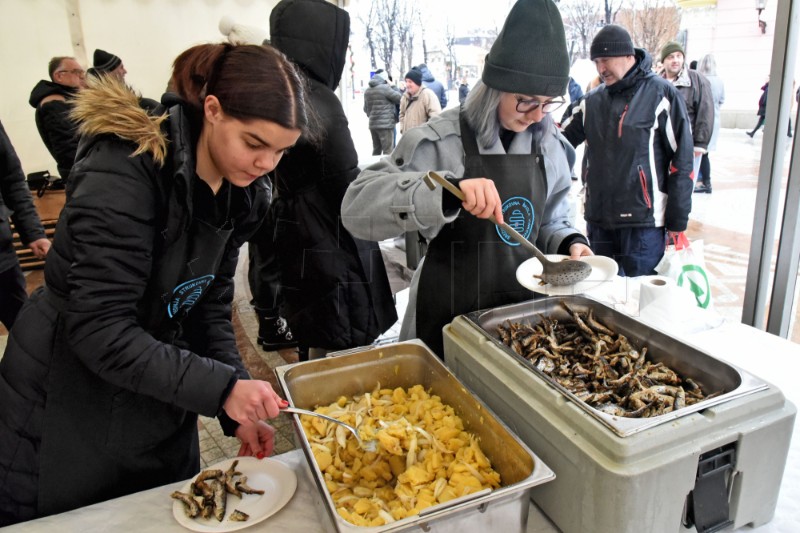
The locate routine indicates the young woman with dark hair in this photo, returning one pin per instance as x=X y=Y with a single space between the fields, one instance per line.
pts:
x=131 y=338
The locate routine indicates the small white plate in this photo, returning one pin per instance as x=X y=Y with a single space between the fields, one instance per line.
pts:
x=277 y=480
x=603 y=269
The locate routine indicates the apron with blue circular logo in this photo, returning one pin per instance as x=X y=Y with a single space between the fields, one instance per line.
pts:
x=186 y=270
x=471 y=264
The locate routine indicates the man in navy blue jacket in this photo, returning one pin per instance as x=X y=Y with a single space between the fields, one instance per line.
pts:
x=639 y=150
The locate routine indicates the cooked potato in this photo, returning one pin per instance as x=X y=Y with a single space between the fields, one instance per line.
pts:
x=424 y=456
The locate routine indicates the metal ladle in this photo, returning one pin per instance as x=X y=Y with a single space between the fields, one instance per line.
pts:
x=367 y=446
x=557 y=273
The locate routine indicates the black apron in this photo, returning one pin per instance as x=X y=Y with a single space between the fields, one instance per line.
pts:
x=184 y=272
x=471 y=264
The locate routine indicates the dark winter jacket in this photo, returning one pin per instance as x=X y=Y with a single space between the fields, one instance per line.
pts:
x=762 y=100
x=336 y=291
x=380 y=104
x=696 y=91
x=639 y=151
x=92 y=404
x=435 y=85
x=463 y=91
x=55 y=127
x=16 y=204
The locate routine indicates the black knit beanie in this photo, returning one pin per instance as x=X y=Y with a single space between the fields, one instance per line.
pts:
x=530 y=54
x=414 y=75
x=105 y=62
x=611 y=41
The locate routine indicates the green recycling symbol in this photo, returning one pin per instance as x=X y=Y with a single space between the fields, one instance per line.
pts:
x=698 y=284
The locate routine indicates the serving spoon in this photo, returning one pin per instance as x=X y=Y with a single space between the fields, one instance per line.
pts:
x=556 y=273
x=366 y=445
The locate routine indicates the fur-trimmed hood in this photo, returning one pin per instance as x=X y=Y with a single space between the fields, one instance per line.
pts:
x=108 y=106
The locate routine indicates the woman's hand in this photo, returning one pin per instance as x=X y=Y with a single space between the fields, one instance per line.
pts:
x=258 y=440
x=252 y=400
x=578 y=250
x=481 y=198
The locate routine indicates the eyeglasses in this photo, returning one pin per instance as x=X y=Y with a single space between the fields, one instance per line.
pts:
x=77 y=71
x=526 y=106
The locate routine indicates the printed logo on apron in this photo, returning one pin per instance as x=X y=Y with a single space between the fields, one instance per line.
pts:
x=518 y=212
x=186 y=294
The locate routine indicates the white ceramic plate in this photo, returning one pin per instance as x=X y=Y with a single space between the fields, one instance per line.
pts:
x=603 y=270
x=277 y=480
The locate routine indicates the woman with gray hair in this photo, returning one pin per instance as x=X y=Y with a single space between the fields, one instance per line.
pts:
x=708 y=67
x=505 y=153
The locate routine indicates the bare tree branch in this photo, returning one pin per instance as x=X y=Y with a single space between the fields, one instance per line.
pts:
x=652 y=25
x=581 y=19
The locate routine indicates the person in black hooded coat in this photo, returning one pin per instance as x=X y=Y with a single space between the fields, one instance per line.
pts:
x=131 y=337
x=335 y=287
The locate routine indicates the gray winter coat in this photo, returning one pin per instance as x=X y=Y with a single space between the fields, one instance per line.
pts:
x=380 y=104
x=390 y=197
x=696 y=92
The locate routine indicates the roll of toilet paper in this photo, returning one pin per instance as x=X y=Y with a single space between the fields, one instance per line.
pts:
x=659 y=290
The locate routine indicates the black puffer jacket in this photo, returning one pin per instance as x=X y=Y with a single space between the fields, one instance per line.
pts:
x=336 y=291
x=55 y=127
x=638 y=151
x=16 y=204
x=380 y=104
x=92 y=404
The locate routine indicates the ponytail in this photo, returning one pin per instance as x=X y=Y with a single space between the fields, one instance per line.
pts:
x=250 y=82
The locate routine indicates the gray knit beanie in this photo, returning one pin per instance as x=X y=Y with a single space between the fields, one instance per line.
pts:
x=611 y=41
x=530 y=54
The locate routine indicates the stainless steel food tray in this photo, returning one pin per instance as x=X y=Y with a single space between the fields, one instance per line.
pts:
x=688 y=361
x=322 y=381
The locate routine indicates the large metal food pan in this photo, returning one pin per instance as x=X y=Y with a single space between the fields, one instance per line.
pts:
x=711 y=373
x=321 y=382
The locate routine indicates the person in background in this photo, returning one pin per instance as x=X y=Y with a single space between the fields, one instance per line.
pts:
x=433 y=84
x=708 y=67
x=380 y=104
x=762 y=108
x=418 y=103
x=131 y=337
x=107 y=63
x=574 y=90
x=16 y=204
x=335 y=288
x=463 y=90
x=53 y=102
x=503 y=150
x=638 y=184
x=696 y=92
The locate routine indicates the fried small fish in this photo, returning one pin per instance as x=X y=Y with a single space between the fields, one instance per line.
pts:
x=238 y=516
x=241 y=485
x=190 y=505
x=220 y=500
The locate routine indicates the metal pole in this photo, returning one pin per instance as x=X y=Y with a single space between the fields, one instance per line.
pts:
x=767 y=205
x=784 y=284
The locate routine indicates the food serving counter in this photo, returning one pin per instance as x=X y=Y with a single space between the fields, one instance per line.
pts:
x=771 y=358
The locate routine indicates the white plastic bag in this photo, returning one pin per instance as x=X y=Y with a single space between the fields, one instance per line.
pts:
x=685 y=264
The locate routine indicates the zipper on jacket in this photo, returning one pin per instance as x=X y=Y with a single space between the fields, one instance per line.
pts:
x=643 y=182
x=621 y=118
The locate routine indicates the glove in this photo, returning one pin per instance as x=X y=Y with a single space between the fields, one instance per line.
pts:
x=678 y=239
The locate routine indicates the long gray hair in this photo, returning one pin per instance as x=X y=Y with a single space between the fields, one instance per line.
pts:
x=480 y=110
x=707 y=65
